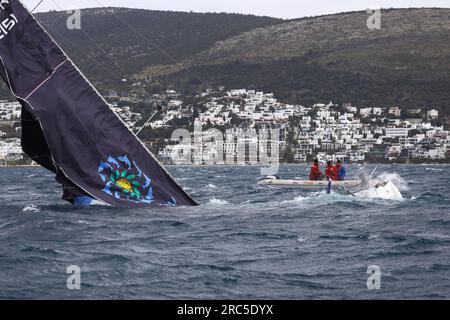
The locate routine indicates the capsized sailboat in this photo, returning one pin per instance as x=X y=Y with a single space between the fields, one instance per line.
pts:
x=386 y=190
x=68 y=128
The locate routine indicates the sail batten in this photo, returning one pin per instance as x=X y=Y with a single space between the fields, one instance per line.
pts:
x=69 y=125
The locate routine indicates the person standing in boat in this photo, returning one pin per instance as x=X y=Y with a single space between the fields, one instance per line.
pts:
x=331 y=172
x=315 y=173
x=341 y=172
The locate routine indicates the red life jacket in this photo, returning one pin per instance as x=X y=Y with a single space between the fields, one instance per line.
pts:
x=331 y=173
x=315 y=173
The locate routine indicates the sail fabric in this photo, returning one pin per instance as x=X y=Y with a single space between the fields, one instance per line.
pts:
x=69 y=128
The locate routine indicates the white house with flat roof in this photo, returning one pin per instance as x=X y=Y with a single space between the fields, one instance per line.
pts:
x=396 y=132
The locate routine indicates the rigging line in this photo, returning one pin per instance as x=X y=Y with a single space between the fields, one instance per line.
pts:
x=153 y=44
x=48 y=27
x=110 y=58
x=100 y=64
x=118 y=77
x=89 y=56
x=102 y=98
x=148 y=121
x=37 y=6
x=125 y=73
x=104 y=52
x=96 y=44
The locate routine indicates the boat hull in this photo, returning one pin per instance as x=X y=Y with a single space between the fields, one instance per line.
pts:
x=307 y=184
x=386 y=191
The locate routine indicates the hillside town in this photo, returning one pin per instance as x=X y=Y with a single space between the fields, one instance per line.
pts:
x=229 y=126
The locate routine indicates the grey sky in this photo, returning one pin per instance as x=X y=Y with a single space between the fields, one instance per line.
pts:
x=274 y=8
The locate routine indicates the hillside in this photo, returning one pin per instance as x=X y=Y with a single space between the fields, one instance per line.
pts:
x=309 y=60
x=334 y=57
x=107 y=50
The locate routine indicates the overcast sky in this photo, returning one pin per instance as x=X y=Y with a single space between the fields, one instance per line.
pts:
x=274 y=8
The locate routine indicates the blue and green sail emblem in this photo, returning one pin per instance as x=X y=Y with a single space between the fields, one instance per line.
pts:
x=124 y=180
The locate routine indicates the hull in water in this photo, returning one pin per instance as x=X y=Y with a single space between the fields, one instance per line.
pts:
x=68 y=128
x=386 y=191
x=307 y=184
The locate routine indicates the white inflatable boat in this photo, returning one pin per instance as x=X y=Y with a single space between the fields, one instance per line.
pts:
x=277 y=182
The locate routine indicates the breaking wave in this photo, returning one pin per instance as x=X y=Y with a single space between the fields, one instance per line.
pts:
x=215 y=201
x=396 y=179
x=31 y=208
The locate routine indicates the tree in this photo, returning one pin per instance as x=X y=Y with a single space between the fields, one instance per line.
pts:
x=413 y=132
x=288 y=156
x=195 y=113
x=235 y=120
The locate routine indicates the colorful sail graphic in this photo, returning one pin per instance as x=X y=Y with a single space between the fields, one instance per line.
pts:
x=68 y=128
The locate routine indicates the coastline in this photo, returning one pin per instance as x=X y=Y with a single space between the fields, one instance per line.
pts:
x=20 y=165
x=260 y=165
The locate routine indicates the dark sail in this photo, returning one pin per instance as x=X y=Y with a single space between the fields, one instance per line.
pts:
x=69 y=128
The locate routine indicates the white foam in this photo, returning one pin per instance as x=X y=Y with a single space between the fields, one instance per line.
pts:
x=396 y=179
x=31 y=208
x=297 y=199
x=217 y=201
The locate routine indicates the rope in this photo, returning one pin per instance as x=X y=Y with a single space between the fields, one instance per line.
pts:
x=37 y=6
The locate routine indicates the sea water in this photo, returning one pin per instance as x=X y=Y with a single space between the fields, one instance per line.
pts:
x=243 y=242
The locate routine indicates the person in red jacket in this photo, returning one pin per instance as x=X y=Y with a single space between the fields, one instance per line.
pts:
x=331 y=172
x=315 y=173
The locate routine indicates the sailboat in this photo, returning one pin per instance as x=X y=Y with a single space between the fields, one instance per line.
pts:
x=69 y=128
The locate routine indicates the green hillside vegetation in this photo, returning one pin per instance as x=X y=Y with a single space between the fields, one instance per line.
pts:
x=335 y=57
x=107 y=37
x=309 y=60
x=107 y=50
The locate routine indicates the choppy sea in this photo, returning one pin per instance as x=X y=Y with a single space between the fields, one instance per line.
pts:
x=243 y=242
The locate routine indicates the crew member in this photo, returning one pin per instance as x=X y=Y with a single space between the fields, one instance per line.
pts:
x=315 y=173
x=341 y=172
x=331 y=171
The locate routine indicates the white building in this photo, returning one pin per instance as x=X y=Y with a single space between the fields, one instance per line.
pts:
x=433 y=114
x=395 y=111
x=396 y=132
